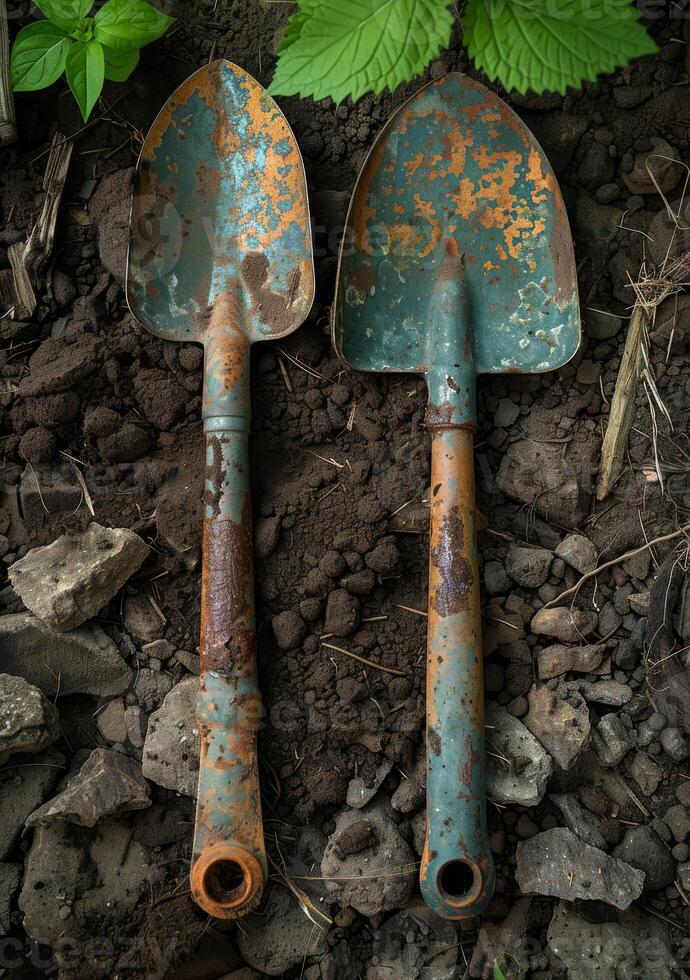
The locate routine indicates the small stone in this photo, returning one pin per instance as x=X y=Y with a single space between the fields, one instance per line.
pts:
x=141 y=620
x=588 y=373
x=578 y=552
x=561 y=726
x=135 y=723
x=22 y=790
x=613 y=738
x=111 y=721
x=528 y=567
x=565 y=624
x=646 y=773
x=69 y=581
x=680 y=852
x=108 y=783
x=289 y=629
x=675 y=744
x=342 y=613
x=171 y=748
x=506 y=413
x=639 y=603
x=28 y=721
x=409 y=795
x=557 y=863
x=677 y=820
x=496 y=579
x=556 y=660
x=360 y=791
x=684 y=876
x=644 y=849
x=583 y=823
x=611 y=693
x=158 y=650
x=151 y=687
x=523 y=770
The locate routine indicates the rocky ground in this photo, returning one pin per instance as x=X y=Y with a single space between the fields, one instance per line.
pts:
x=100 y=484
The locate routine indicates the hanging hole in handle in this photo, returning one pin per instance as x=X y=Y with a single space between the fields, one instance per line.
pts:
x=224 y=882
x=460 y=882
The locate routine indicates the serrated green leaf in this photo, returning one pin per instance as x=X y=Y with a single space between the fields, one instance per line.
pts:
x=64 y=13
x=85 y=74
x=119 y=65
x=529 y=45
x=38 y=56
x=292 y=31
x=350 y=47
x=127 y=25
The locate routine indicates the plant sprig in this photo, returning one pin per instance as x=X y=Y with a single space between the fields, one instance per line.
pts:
x=88 y=50
x=338 y=48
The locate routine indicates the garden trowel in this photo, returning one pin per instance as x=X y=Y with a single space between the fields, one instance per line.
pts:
x=220 y=254
x=457 y=260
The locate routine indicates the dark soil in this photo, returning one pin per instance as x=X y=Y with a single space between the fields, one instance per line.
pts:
x=340 y=462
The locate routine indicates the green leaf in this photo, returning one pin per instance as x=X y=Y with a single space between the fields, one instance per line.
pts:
x=119 y=65
x=64 y=13
x=85 y=74
x=293 y=29
x=127 y=25
x=498 y=972
x=38 y=56
x=527 y=44
x=350 y=47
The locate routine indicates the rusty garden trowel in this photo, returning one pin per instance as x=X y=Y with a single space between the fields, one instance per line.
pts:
x=457 y=260
x=220 y=254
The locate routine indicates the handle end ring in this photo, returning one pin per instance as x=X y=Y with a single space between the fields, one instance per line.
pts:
x=227 y=881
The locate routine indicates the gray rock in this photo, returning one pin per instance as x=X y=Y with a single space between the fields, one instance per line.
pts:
x=611 y=693
x=171 y=748
x=506 y=413
x=108 y=783
x=533 y=473
x=675 y=744
x=558 y=659
x=10 y=876
x=663 y=161
x=58 y=898
x=561 y=726
x=69 y=581
x=613 y=738
x=111 y=721
x=644 y=849
x=677 y=820
x=496 y=579
x=151 y=687
x=22 y=790
x=360 y=791
x=578 y=551
x=646 y=773
x=141 y=620
x=639 y=603
x=583 y=823
x=528 y=567
x=518 y=768
x=565 y=624
x=684 y=875
x=28 y=721
x=597 y=167
x=635 y=946
x=84 y=661
x=558 y=863
x=364 y=844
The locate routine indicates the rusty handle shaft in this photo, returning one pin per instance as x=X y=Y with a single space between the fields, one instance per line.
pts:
x=229 y=861
x=457 y=872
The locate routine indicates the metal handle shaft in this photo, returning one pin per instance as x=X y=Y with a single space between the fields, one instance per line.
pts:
x=457 y=872
x=229 y=861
